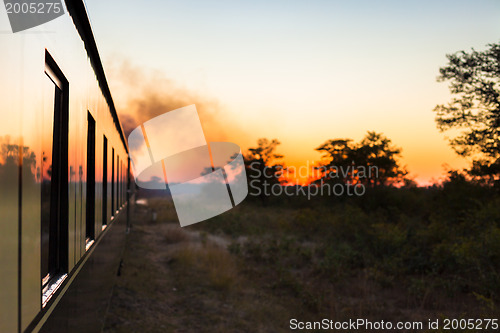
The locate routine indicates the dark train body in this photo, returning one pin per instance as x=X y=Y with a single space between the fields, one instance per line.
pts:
x=64 y=178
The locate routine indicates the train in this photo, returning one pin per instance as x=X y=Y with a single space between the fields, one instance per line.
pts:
x=65 y=182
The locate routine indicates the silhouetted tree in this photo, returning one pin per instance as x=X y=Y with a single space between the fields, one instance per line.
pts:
x=261 y=166
x=338 y=157
x=376 y=150
x=373 y=161
x=475 y=108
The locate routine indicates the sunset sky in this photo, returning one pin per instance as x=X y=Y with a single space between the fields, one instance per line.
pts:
x=299 y=71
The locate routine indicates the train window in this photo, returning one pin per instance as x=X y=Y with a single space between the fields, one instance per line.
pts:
x=117 y=182
x=105 y=182
x=112 y=182
x=121 y=185
x=54 y=196
x=124 y=182
x=90 y=212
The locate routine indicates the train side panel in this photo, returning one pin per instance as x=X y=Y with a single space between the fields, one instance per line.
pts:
x=30 y=95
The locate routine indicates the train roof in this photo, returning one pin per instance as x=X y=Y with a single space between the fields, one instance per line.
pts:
x=78 y=13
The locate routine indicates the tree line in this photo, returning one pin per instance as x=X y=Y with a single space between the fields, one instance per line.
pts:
x=474 y=110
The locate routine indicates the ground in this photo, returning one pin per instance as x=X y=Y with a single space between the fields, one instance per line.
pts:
x=174 y=280
x=253 y=269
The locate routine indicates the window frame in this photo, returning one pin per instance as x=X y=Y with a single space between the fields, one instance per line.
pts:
x=90 y=181
x=59 y=198
x=105 y=182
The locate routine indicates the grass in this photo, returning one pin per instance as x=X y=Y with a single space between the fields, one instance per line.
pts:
x=178 y=280
x=209 y=260
x=176 y=235
x=399 y=255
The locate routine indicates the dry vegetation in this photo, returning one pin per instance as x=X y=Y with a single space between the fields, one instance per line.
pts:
x=255 y=267
x=178 y=280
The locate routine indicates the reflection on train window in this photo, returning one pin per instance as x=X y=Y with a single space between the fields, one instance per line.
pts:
x=90 y=212
x=112 y=182
x=54 y=196
x=105 y=182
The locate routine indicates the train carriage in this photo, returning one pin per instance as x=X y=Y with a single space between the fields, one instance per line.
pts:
x=64 y=177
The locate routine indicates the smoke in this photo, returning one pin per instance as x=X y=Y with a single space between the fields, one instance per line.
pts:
x=141 y=94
